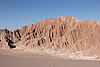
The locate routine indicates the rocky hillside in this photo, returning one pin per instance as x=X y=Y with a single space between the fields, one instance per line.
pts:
x=63 y=33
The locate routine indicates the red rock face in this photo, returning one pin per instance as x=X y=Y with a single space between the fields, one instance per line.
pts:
x=58 y=33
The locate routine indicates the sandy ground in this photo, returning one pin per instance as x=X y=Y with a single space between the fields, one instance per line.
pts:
x=12 y=59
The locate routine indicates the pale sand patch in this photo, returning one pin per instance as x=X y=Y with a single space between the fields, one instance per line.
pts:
x=27 y=54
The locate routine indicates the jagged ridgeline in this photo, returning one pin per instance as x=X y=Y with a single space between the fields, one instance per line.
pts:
x=56 y=34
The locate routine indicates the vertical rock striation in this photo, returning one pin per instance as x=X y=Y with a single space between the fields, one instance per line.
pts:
x=57 y=34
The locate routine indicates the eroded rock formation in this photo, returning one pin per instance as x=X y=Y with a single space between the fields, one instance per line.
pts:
x=57 y=34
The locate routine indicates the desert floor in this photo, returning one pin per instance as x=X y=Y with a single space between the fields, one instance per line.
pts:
x=28 y=59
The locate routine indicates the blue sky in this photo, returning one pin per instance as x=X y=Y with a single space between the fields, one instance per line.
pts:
x=17 y=13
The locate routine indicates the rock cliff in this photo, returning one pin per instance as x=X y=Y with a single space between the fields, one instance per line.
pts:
x=56 y=34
